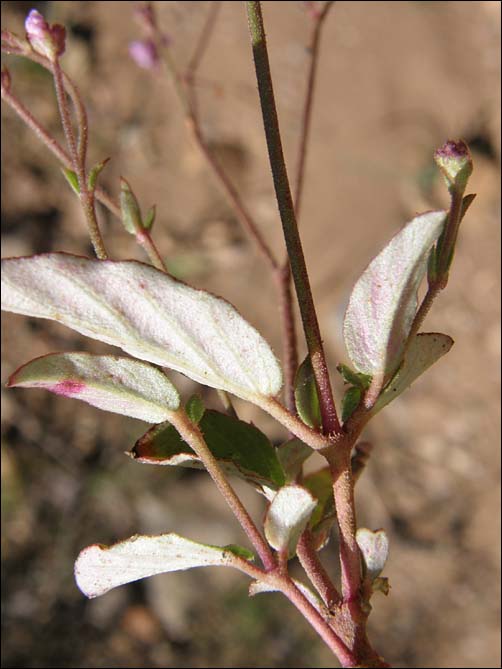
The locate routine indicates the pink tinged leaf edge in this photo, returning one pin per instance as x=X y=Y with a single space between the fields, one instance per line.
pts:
x=384 y=301
x=112 y=383
x=101 y=568
x=168 y=322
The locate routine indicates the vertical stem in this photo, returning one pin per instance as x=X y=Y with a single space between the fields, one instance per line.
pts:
x=288 y=218
x=343 y=492
x=307 y=109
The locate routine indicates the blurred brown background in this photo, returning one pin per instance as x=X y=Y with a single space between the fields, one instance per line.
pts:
x=396 y=79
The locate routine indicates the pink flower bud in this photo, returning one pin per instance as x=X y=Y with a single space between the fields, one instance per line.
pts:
x=144 y=54
x=48 y=40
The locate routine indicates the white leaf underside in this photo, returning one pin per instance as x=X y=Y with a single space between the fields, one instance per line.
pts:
x=383 y=303
x=425 y=349
x=287 y=517
x=148 y=314
x=109 y=382
x=99 y=568
x=374 y=547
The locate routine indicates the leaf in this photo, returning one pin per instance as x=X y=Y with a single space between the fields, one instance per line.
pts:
x=374 y=547
x=100 y=568
x=287 y=517
x=306 y=398
x=149 y=315
x=109 y=382
x=150 y=218
x=354 y=378
x=240 y=551
x=425 y=349
x=72 y=179
x=95 y=172
x=350 y=402
x=383 y=303
x=195 y=408
x=130 y=211
x=320 y=484
x=240 y=447
x=292 y=454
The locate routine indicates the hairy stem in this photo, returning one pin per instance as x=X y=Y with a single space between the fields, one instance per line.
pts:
x=309 y=559
x=288 y=219
x=193 y=437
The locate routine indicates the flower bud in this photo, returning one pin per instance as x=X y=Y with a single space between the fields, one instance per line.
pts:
x=48 y=40
x=455 y=163
x=144 y=54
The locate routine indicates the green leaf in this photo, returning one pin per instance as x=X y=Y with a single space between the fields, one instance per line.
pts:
x=129 y=208
x=95 y=172
x=287 y=517
x=149 y=315
x=350 y=402
x=72 y=179
x=240 y=447
x=384 y=300
x=306 y=397
x=426 y=349
x=109 y=382
x=292 y=454
x=320 y=485
x=195 y=408
x=354 y=378
x=150 y=218
x=100 y=568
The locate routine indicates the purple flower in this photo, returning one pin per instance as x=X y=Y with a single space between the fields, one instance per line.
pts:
x=144 y=54
x=48 y=40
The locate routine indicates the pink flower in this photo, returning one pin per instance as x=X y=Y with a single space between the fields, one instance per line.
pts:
x=48 y=40
x=144 y=54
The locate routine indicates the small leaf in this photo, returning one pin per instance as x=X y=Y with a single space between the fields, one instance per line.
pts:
x=320 y=484
x=150 y=218
x=381 y=584
x=149 y=315
x=100 y=568
x=95 y=172
x=306 y=398
x=292 y=454
x=287 y=517
x=72 y=179
x=350 y=402
x=374 y=547
x=240 y=448
x=129 y=208
x=383 y=304
x=195 y=408
x=425 y=349
x=109 y=382
x=354 y=378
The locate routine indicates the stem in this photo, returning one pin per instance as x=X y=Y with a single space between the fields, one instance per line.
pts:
x=193 y=437
x=293 y=424
x=309 y=559
x=313 y=48
x=343 y=492
x=330 y=638
x=282 y=276
x=145 y=240
x=287 y=213
x=86 y=197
